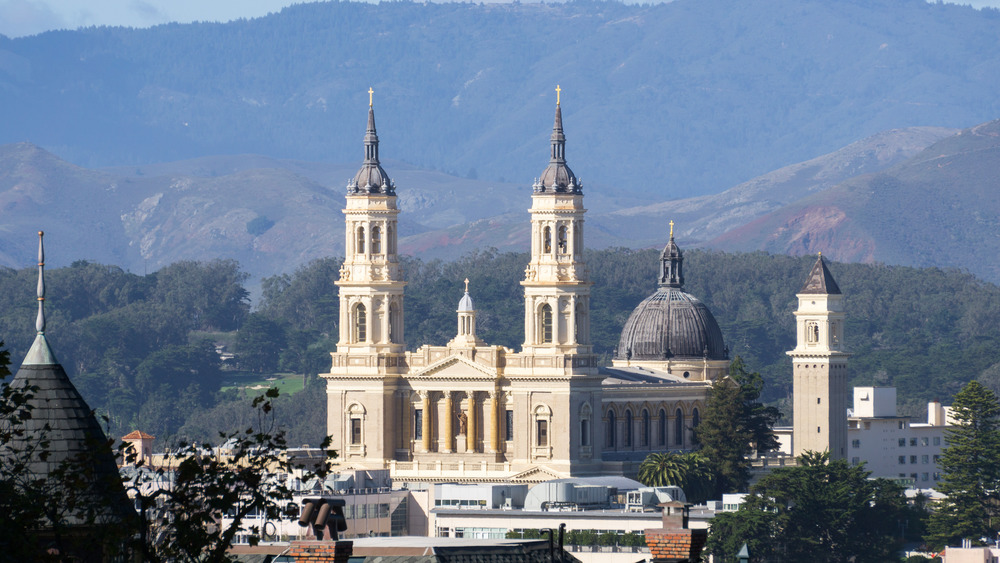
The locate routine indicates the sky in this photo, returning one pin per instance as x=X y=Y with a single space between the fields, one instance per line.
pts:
x=28 y=17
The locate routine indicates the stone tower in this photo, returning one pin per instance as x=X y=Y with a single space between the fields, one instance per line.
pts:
x=819 y=372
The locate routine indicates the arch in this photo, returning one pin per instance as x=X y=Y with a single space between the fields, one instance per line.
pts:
x=644 y=435
x=390 y=242
x=582 y=330
x=355 y=419
x=545 y=322
x=361 y=241
x=627 y=441
x=679 y=428
x=547 y=240
x=585 y=414
x=695 y=418
x=376 y=240
x=360 y=323
x=662 y=424
x=610 y=429
x=562 y=243
x=394 y=325
x=543 y=419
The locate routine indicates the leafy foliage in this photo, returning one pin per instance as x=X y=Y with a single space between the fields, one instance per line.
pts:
x=971 y=466
x=821 y=510
x=691 y=471
x=733 y=426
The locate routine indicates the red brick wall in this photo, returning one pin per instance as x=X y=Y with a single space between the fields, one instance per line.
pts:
x=321 y=551
x=676 y=545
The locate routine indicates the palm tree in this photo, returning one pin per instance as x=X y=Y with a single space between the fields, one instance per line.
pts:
x=690 y=471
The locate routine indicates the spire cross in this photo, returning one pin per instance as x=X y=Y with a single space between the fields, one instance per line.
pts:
x=558 y=92
x=370 y=92
x=671 y=228
x=466 y=285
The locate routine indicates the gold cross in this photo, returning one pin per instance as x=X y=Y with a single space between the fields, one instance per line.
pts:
x=370 y=92
x=466 y=285
x=558 y=91
x=671 y=228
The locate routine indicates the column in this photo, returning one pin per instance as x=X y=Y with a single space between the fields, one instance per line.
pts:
x=494 y=422
x=447 y=433
x=406 y=434
x=425 y=398
x=471 y=437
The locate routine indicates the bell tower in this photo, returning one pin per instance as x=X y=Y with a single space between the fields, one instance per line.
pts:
x=819 y=372
x=371 y=286
x=556 y=284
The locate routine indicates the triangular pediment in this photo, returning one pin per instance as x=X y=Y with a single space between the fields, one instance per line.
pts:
x=536 y=474
x=457 y=367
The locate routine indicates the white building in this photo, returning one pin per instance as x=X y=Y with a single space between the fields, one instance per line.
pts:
x=891 y=445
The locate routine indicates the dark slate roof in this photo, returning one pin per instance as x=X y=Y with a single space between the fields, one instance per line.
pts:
x=820 y=280
x=371 y=178
x=75 y=439
x=637 y=375
x=671 y=324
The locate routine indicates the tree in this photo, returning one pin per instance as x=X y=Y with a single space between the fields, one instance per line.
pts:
x=821 y=511
x=199 y=513
x=733 y=425
x=690 y=471
x=971 y=466
x=259 y=344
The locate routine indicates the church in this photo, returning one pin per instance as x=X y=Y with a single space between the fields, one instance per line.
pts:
x=467 y=411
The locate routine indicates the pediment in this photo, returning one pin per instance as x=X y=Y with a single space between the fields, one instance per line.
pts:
x=455 y=367
x=536 y=474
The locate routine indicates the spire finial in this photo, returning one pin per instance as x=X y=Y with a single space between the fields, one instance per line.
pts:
x=558 y=92
x=370 y=92
x=821 y=254
x=40 y=320
x=466 y=285
x=671 y=229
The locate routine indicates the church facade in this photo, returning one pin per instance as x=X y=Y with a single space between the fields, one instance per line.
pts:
x=468 y=411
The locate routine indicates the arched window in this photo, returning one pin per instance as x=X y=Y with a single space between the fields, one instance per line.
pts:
x=360 y=323
x=644 y=437
x=547 y=240
x=611 y=429
x=663 y=427
x=695 y=418
x=561 y=242
x=376 y=240
x=361 y=240
x=390 y=243
x=628 y=429
x=546 y=322
x=580 y=325
x=679 y=428
x=393 y=323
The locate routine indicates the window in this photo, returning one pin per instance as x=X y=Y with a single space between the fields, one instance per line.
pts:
x=585 y=432
x=936 y=458
x=418 y=424
x=902 y=442
x=389 y=242
x=923 y=441
x=628 y=429
x=855 y=460
x=924 y=459
x=393 y=321
x=936 y=476
x=509 y=424
x=663 y=427
x=695 y=418
x=902 y=460
x=855 y=443
x=812 y=333
x=361 y=240
x=902 y=425
x=913 y=442
x=937 y=440
x=546 y=324
x=818 y=400
x=355 y=431
x=913 y=459
x=913 y=476
x=819 y=430
x=611 y=429
x=360 y=324
x=542 y=434
x=376 y=240
x=547 y=240
x=561 y=241
x=679 y=428
x=644 y=437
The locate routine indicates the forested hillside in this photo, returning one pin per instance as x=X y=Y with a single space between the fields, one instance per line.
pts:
x=674 y=99
x=143 y=349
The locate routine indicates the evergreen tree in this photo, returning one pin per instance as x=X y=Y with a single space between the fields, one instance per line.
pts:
x=734 y=424
x=690 y=471
x=971 y=466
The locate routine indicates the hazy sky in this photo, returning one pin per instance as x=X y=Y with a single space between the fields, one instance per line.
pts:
x=27 y=17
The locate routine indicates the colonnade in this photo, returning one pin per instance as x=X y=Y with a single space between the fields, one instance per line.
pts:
x=427 y=412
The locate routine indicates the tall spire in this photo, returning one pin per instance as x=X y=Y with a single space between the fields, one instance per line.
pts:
x=671 y=263
x=40 y=319
x=371 y=178
x=40 y=354
x=557 y=176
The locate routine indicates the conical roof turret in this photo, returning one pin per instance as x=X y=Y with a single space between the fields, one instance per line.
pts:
x=820 y=280
x=557 y=176
x=371 y=178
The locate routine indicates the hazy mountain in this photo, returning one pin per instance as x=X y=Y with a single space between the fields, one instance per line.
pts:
x=667 y=101
x=939 y=208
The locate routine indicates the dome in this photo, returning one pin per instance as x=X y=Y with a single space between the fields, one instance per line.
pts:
x=371 y=178
x=557 y=176
x=671 y=324
x=465 y=305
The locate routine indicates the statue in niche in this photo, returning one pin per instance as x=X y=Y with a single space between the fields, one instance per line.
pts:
x=463 y=423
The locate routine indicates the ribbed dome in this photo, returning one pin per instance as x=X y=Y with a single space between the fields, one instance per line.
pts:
x=465 y=305
x=671 y=324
